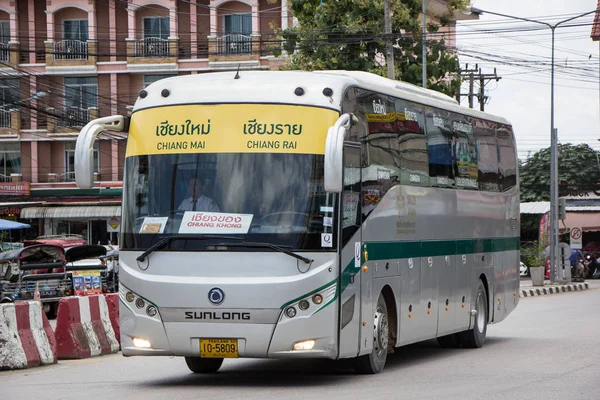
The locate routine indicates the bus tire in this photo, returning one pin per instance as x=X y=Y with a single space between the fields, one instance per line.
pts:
x=374 y=362
x=200 y=365
x=474 y=338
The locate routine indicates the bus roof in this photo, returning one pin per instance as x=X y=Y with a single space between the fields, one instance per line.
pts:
x=279 y=87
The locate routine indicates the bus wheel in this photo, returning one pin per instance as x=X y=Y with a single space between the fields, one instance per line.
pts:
x=374 y=362
x=203 y=365
x=474 y=338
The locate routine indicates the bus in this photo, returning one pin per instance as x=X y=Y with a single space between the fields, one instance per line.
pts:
x=292 y=214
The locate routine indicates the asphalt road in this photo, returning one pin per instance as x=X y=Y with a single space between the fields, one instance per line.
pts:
x=549 y=348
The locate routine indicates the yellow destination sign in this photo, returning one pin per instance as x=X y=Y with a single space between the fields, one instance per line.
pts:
x=229 y=128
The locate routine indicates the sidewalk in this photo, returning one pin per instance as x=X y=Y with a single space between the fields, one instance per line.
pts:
x=528 y=290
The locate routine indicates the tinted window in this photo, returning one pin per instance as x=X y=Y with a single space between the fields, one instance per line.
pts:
x=411 y=151
x=380 y=145
x=464 y=152
x=439 y=135
x=487 y=155
x=507 y=160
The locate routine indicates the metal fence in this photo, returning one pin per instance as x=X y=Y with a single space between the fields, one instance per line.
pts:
x=72 y=117
x=71 y=50
x=5 y=121
x=234 y=44
x=4 y=52
x=151 y=47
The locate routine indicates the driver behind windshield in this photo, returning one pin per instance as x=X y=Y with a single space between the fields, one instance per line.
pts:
x=195 y=200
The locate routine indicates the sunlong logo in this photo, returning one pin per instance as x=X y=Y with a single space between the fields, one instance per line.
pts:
x=218 y=315
x=216 y=296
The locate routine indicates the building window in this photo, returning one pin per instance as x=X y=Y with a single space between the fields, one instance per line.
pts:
x=75 y=29
x=70 y=159
x=10 y=160
x=4 y=31
x=238 y=24
x=81 y=92
x=156 y=27
x=9 y=93
x=148 y=79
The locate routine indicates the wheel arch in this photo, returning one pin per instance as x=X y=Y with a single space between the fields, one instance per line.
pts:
x=490 y=310
x=390 y=302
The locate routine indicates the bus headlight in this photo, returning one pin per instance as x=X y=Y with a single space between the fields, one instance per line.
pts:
x=142 y=343
x=129 y=297
x=140 y=303
x=151 y=311
x=303 y=305
x=317 y=299
x=304 y=345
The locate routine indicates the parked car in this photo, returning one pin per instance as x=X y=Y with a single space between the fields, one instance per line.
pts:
x=524 y=271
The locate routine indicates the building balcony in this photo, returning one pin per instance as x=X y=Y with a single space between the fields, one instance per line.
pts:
x=234 y=45
x=10 y=122
x=71 y=52
x=62 y=176
x=152 y=50
x=69 y=120
x=4 y=52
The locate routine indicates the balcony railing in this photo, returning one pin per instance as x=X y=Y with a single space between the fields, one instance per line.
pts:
x=5 y=121
x=4 y=52
x=72 y=117
x=234 y=44
x=61 y=176
x=71 y=50
x=151 y=47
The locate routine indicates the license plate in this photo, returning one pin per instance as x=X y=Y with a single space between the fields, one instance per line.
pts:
x=219 y=348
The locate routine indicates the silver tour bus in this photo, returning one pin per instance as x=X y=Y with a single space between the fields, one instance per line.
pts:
x=328 y=214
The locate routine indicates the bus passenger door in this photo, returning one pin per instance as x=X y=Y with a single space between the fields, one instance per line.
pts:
x=351 y=254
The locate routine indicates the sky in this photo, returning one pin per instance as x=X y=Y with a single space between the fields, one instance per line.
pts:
x=523 y=61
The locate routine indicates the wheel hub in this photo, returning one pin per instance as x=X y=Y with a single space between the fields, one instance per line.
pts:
x=381 y=331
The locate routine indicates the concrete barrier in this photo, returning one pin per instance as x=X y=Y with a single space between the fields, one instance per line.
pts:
x=83 y=328
x=112 y=300
x=26 y=337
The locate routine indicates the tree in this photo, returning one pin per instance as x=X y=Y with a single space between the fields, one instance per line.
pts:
x=349 y=35
x=577 y=172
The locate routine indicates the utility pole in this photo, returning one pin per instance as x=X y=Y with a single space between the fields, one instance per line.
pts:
x=389 y=58
x=472 y=75
x=462 y=73
x=482 y=78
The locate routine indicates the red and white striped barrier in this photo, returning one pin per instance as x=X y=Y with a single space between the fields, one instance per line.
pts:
x=112 y=300
x=26 y=337
x=83 y=328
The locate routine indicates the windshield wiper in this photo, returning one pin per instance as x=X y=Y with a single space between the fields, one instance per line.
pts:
x=269 y=246
x=167 y=240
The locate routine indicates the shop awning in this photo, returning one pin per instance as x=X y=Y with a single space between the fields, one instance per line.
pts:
x=587 y=221
x=71 y=212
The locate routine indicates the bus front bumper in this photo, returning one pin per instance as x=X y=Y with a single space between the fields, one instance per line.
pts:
x=254 y=340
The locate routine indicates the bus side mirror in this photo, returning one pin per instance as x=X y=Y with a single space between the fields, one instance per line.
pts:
x=334 y=154
x=84 y=148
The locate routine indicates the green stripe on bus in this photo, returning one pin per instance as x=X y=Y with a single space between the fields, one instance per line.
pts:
x=429 y=248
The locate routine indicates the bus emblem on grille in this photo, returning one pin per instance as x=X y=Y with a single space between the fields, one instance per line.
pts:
x=216 y=296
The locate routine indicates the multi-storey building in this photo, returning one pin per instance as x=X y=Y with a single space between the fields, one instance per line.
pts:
x=65 y=62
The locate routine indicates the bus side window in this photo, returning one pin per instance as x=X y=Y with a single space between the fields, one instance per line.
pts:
x=487 y=155
x=438 y=130
x=351 y=207
x=507 y=162
x=410 y=150
x=464 y=152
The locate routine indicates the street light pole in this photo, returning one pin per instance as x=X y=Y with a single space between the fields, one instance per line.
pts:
x=424 y=56
x=553 y=140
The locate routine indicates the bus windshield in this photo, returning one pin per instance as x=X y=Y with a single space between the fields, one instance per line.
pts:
x=257 y=197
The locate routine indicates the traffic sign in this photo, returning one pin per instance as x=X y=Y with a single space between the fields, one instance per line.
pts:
x=576 y=238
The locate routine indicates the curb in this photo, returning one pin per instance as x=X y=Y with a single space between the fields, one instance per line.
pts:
x=543 y=290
